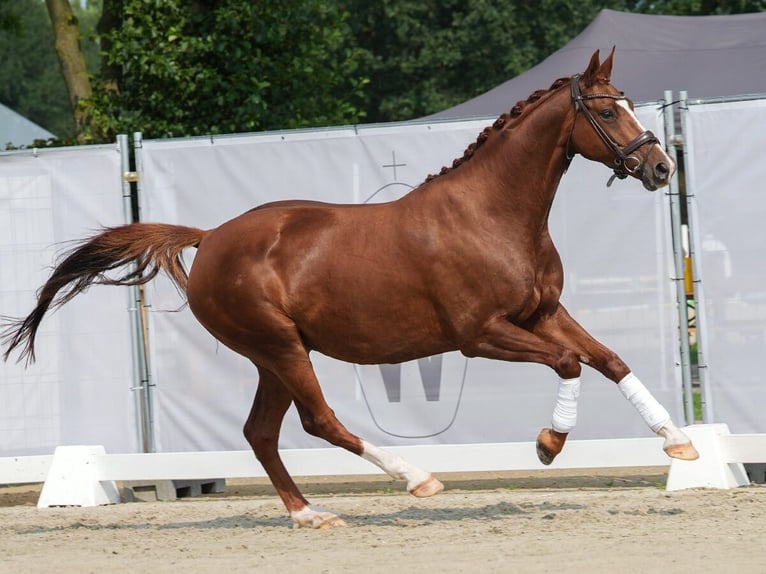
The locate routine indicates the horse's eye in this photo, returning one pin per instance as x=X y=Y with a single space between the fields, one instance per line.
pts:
x=607 y=114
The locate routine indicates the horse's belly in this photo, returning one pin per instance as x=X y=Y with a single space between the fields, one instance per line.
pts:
x=373 y=338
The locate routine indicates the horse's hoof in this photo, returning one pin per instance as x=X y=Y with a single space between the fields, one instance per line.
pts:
x=332 y=522
x=310 y=518
x=427 y=488
x=684 y=451
x=545 y=456
x=549 y=444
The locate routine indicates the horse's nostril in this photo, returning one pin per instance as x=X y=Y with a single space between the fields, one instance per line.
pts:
x=661 y=170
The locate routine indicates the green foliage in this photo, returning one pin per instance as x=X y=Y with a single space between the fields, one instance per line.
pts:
x=427 y=55
x=30 y=76
x=9 y=19
x=229 y=66
x=191 y=67
x=699 y=7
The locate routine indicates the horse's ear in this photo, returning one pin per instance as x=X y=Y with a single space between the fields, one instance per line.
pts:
x=589 y=76
x=598 y=73
x=604 y=73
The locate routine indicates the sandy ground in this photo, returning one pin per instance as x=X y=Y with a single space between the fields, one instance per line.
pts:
x=550 y=521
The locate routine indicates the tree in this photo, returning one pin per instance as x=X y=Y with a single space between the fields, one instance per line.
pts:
x=698 y=7
x=427 y=55
x=31 y=82
x=9 y=19
x=178 y=68
x=66 y=32
x=191 y=67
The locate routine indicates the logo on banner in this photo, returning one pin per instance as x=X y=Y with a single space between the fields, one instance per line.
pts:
x=414 y=399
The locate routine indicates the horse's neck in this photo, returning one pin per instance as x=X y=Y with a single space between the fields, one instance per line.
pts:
x=516 y=173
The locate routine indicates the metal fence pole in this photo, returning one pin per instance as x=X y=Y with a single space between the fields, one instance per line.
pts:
x=696 y=255
x=141 y=386
x=673 y=142
x=146 y=381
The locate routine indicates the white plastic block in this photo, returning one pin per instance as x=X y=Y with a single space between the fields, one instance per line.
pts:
x=713 y=469
x=73 y=479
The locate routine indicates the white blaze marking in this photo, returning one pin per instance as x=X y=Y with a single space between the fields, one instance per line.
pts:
x=624 y=105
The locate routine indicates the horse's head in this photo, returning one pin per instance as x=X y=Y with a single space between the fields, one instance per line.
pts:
x=605 y=129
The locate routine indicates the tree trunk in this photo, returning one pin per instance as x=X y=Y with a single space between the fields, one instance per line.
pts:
x=111 y=19
x=66 y=32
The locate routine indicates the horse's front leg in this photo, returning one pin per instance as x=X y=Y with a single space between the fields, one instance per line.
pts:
x=561 y=328
x=501 y=339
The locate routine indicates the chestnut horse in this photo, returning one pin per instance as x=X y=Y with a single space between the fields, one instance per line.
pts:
x=350 y=281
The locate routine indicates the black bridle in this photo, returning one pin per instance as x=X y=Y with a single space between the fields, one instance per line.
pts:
x=625 y=163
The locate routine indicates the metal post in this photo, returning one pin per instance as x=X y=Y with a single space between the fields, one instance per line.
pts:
x=673 y=142
x=699 y=293
x=146 y=382
x=135 y=309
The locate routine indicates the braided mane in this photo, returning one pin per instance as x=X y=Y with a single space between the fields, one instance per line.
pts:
x=499 y=124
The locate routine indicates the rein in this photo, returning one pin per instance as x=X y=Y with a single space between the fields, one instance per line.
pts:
x=625 y=163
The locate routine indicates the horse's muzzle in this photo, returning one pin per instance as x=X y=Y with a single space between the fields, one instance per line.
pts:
x=657 y=173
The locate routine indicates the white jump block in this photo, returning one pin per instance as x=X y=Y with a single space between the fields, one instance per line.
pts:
x=715 y=468
x=73 y=479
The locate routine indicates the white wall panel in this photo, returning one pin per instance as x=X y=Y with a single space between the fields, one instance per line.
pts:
x=78 y=391
x=726 y=176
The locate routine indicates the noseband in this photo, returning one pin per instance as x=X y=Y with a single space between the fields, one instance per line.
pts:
x=625 y=163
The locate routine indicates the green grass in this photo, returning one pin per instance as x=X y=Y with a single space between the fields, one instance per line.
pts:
x=697 y=400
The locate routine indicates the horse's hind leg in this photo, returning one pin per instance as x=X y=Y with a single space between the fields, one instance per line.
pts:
x=288 y=377
x=419 y=482
x=318 y=419
x=262 y=432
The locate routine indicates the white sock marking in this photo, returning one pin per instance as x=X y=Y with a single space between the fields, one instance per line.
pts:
x=308 y=517
x=395 y=466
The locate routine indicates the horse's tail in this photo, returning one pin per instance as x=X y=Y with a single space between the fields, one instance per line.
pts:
x=152 y=247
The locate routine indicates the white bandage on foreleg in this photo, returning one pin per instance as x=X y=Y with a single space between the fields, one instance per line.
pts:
x=565 y=411
x=653 y=413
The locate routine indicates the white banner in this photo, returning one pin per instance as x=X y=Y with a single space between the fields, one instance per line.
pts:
x=78 y=391
x=725 y=173
x=613 y=244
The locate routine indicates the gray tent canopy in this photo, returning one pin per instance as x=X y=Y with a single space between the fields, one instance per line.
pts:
x=17 y=130
x=708 y=56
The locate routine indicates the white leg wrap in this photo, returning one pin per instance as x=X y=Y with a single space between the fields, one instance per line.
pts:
x=395 y=466
x=565 y=411
x=653 y=413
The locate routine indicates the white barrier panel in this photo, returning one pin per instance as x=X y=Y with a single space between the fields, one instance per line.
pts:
x=85 y=475
x=25 y=469
x=612 y=242
x=722 y=455
x=727 y=210
x=79 y=389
